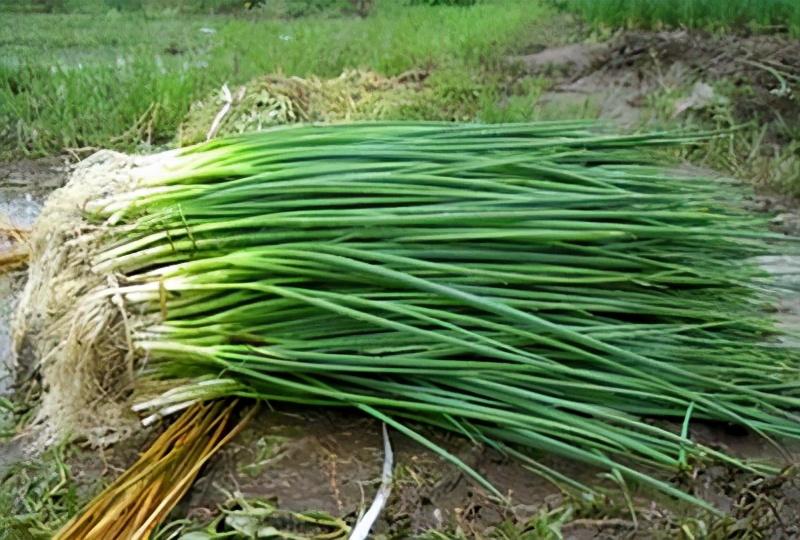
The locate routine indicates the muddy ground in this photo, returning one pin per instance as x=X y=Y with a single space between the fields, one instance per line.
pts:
x=330 y=461
x=621 y=74
x=24 y=185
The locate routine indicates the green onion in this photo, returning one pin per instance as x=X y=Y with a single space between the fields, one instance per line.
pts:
x=537 y=287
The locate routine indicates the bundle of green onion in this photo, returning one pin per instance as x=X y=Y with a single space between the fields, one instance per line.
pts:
x=534 y=287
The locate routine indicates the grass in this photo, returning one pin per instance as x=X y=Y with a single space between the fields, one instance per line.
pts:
x=37 y=496
x=121 y=80
x=711 y=14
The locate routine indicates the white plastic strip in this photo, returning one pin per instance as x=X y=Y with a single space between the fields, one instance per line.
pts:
x=365 y=523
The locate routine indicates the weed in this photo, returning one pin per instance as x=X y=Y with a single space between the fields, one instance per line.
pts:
x=37 y=496
x=8 y=414
x=766 y=153
x=266 y=450
x=241 y=517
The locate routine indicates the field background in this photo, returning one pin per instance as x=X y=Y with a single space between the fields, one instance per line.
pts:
x=78 y=76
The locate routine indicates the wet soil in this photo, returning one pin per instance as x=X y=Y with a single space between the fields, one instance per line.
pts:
x=24 y=185
x=331 y=461
x=307 y=460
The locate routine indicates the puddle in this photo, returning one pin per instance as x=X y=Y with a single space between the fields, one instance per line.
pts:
x=24 y=185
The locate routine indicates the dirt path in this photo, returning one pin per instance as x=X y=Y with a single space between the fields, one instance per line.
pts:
x=620 y=76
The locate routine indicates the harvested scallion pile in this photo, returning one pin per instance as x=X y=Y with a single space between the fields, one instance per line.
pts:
x=535 y=287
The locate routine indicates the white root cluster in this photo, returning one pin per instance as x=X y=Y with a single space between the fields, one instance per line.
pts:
x=72 y=326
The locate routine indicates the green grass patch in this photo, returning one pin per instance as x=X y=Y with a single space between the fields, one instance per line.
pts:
x=37 y=496
x=711 y=14
x=72 y=80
